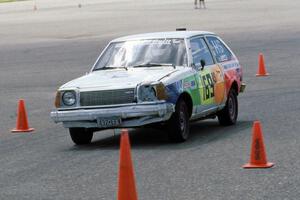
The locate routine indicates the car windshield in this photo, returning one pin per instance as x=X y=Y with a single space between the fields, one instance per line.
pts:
x=143 y=53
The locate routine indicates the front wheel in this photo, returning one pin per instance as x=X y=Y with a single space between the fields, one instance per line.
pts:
x=178 y=125
x=228 y=115
x=81 y=136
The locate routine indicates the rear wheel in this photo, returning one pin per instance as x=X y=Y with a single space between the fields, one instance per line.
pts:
x=81 y=136
x=228 y=115
x=178 y=125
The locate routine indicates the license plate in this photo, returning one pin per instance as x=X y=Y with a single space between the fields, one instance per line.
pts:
x=108 y=122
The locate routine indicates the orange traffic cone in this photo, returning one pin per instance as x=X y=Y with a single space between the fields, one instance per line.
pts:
x=258 y=158
x=126 y=186
x=22 y=122
x=261 y=71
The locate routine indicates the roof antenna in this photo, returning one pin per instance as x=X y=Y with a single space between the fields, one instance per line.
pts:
x=180 y=29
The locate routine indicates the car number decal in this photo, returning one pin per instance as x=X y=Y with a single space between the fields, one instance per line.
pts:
x=207 y=93
x=212 y=87
x=208 y=89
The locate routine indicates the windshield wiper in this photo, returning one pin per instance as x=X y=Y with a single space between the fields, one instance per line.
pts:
x=104 y=68
x=154 y=65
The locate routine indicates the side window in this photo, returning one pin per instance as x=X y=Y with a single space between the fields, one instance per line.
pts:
x=219 y=50
x=200 y=51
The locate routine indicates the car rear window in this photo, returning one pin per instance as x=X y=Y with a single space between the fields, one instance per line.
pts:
x=219 y=50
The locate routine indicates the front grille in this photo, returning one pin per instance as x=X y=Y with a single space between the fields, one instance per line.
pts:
x=107 y=97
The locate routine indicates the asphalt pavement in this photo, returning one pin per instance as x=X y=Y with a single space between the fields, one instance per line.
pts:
x=40 y=50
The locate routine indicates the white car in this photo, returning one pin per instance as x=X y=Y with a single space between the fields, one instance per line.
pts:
x=166 y=78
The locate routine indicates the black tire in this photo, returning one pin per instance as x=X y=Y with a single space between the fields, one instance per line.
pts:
x=178 y=124
x=228 y=115
x=81 y=136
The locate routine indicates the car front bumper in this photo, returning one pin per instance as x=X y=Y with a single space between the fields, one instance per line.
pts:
x=243 y=87
x=132 y=115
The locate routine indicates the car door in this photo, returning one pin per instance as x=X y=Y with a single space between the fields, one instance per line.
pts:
x=225 y=59
x=210 y=77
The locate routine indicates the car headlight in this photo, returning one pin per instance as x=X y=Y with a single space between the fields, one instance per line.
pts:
x=147 y=93
x=151 y=92
x=69 y=98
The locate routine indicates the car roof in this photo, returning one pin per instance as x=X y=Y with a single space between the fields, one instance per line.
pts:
x=156 y=35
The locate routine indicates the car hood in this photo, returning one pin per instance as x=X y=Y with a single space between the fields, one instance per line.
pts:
x=119 y=78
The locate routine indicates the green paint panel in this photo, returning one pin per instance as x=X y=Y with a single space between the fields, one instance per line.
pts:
x=190 y=85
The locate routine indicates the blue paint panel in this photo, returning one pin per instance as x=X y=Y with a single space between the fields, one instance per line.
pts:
x=193 y=84
x=173 y=91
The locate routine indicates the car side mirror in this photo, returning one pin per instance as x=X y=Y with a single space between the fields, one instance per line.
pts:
x=202 y=62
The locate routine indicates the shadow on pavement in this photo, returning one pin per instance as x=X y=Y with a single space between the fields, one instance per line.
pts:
x=202 y=132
